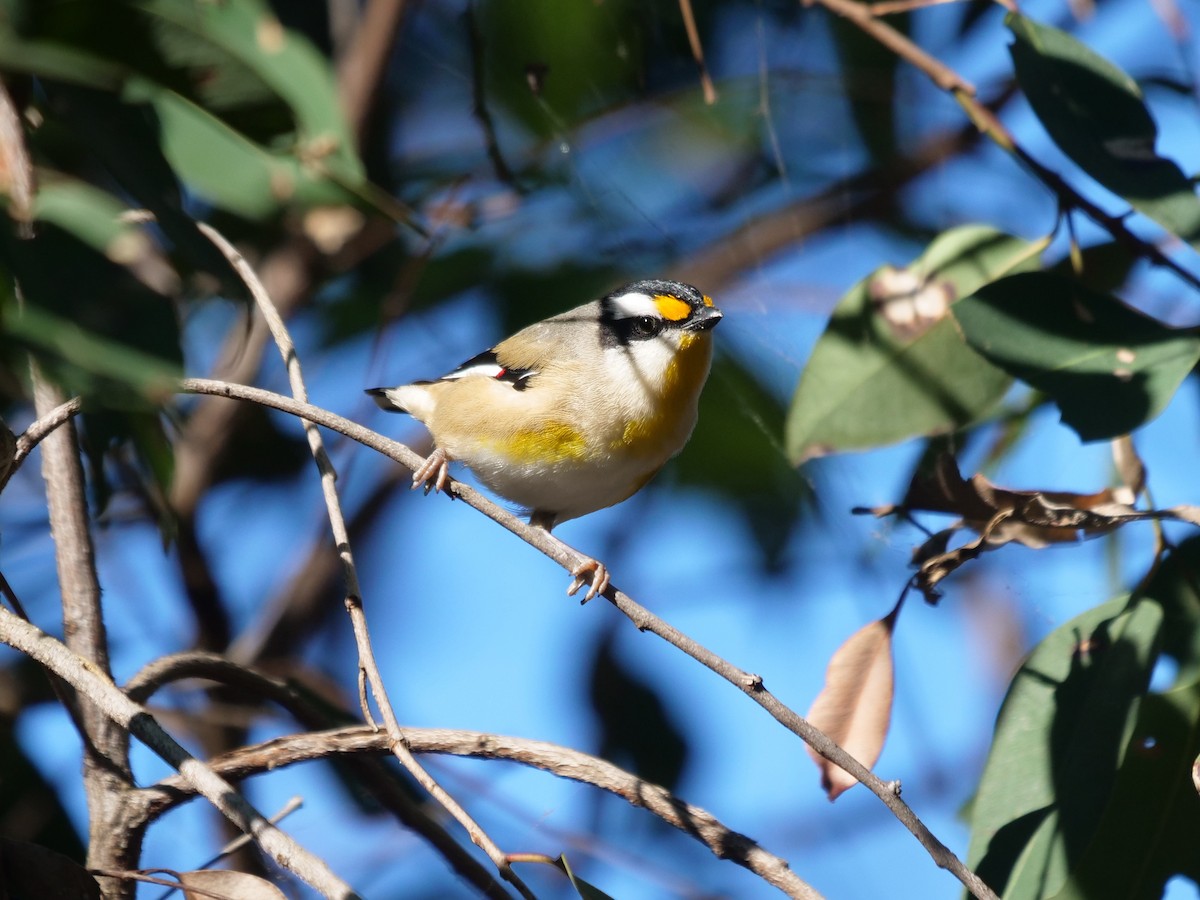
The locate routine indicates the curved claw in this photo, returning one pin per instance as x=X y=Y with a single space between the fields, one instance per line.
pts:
x=599 y=579
x=436 y=467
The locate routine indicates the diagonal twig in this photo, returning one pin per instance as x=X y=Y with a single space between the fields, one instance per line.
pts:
x=950 y=81
x=569 y=558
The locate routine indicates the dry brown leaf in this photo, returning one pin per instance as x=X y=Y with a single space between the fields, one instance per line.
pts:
x=855 y=707
x=203 y=884
x=1035 y=519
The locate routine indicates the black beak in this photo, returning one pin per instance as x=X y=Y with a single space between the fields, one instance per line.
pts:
x=704 y=319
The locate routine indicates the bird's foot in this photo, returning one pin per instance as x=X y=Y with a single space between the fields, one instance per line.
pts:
x=599 y=579
x=433 y=472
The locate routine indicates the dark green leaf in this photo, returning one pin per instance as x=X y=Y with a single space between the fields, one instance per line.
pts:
x=97 y=329
x=589 y=53
x=1147 y=833
x=869 y=77
x=1060 y=734
x=1148 y=829
x=874 y=380
x=1106 y=266
x=246 y=111
x=584 y=889
x=125 y=138
x=1176 y=585
x=1095 y=113
x=1108 y=367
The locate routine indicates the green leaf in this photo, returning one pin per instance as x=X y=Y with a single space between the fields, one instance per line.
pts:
x=95 y=217
x=1148 y=830
x=1060 y=734
x=248 y=32
x=584 y=889
x=91 y=214
x=1108 y=367
x=1096 y=116
x=590 y=54
x=96 y=328
x=247 y=112
x=93 y=354
x=1176 y=587
x=868 y=74
x=872 y=380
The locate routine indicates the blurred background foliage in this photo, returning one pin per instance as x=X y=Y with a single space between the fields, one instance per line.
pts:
x=415 y=180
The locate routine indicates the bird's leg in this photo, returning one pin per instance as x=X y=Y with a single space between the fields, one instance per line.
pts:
x=599 y=573
x=436 y=467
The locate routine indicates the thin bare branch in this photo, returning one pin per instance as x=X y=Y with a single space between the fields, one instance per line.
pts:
x=693 y=35
x=134 y=719
x=353 y=600
x=557 y=760
x=360 y=68
x=568 y=558
x=479 y=101
x=38 y=432
x=379 y=780
x=16 y=170
x=950 y=81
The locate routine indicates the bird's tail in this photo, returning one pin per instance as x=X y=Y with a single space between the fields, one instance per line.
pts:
x=388 y=399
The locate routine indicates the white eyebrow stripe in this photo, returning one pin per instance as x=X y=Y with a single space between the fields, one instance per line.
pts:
x=635 y=303
x=489 y=370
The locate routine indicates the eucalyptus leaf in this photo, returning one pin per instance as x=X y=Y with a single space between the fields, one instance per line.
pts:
x=882 y=373
x=1147 y=832
x=1095 y=113
x=1109 y=367
x=1059 y=739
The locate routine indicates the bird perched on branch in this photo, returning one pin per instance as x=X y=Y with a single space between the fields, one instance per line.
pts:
x=576 y=412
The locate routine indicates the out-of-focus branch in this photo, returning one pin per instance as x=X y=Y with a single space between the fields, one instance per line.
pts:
x=106 y=774
x=479 y=105
x=693 y=36
x=569 y=558
x=557 y=760
x=353 y=598
x=846 y=200
x=360 y=68
x=987 y=123
x=131 y=718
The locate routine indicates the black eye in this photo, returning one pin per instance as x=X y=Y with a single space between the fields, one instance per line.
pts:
x=646 y=327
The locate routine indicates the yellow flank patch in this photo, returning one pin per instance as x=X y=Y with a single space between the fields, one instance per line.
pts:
x=553 y=442
x=672 y=308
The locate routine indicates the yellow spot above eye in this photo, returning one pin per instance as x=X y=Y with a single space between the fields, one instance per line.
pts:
x=672 y=308
x=551 y=443
x=707 y=300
